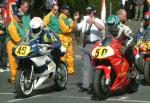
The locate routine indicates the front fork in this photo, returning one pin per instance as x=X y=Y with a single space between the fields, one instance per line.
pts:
x=32 y=72
x=107 y=71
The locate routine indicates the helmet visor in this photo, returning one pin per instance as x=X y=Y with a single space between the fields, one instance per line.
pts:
x=37 y=30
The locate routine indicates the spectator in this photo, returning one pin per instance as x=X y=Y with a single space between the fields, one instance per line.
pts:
x=129 y=9
x=66 y=26
x=3 y=52
x=15 y=34
x=148 y=5
x=122 y=4
x=139 y=7
x=24 y=6
x=10 y=10
x=51 y=19
x=122 y=14
x=91 y=28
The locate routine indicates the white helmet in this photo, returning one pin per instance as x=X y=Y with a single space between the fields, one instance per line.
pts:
x=36 y=25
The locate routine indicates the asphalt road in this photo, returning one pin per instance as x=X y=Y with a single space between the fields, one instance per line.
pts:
x=70 y=94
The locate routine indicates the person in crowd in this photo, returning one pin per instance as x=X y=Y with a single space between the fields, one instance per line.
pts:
x=145 y=26
x=51 y=19
x=3 y=52
x=11 y=8
x=66 y=26
x=122 y=14
x=139 y=7
x=122 y=4
x=129 y=9
x=23 y=9
x=16 y=33
x=91 y=28
x=148 y=5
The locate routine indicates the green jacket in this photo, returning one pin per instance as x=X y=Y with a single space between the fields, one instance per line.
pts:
x=51 y=21
x=26 y=22
x=20 y=30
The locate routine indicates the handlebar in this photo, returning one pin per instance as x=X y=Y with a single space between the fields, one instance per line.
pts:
x=44 y=49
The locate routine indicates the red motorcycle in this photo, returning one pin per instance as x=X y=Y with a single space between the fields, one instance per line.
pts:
x=112 y=69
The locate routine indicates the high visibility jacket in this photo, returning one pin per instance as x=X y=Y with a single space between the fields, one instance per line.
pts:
x=26 y=22
x=51 y=21
x=66 y=24
x=15 y=32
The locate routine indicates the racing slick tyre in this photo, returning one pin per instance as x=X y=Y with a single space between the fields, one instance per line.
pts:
x=134 y=80
x=61 y=77
x=140 y=64
x=23 y=85
x=147 y=72
x=101 y=90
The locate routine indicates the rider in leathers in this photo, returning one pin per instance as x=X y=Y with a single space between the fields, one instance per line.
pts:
x=122 y=33
x=46 y=36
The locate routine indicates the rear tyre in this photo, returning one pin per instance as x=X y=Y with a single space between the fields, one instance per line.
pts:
x=147 y=72
x=140 y=64
x=61 y=77
x=23 y=86
x=101 y=90
x=135 y=80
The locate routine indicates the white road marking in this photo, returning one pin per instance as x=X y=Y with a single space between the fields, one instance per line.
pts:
x=15 y=100
x=122 y=98
x=133 y=101
x=6 y=93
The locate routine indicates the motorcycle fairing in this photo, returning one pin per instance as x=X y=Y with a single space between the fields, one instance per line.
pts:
x=44 y=60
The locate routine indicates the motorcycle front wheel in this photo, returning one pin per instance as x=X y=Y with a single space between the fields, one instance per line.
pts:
x=23 y=85
x=101 y=90
x=147 y=72
x=61 y=77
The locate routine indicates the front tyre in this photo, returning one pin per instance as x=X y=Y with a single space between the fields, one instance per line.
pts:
x=23 y=86
x=61 y=77
x=147 y=71
x=101 y=90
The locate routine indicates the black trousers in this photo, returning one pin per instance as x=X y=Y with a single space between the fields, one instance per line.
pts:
x=3 y=54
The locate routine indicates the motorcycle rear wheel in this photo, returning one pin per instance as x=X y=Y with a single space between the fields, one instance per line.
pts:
x=61 y=77
x=135 y=81
x=147 y=72
x=141 y=64
x=23 y=86
x=100 y=89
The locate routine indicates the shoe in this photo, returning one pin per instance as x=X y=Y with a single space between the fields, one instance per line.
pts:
x=11 y=81
x=82 y=89
x=94 y=97
x=71 y=73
